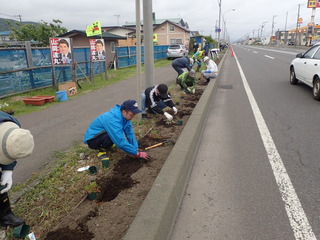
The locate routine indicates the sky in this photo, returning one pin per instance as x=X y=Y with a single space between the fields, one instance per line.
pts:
x=246 y=19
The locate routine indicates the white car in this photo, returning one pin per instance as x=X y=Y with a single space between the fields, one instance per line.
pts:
x=306 y=68
x=176 y=51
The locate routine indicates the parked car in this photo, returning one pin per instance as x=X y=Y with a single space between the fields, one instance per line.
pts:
x=176 y=51
x=290 y=43
x=306 y=68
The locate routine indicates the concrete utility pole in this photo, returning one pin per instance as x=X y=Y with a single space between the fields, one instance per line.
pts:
x=295 y=39
x=272 y=25
x=219 y=26
x=148 y=43
x=118 y=16
x=138 y=53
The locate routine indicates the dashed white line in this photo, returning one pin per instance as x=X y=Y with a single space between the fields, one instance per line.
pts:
x=255 y=52
x=297 y=217
x=269 y=56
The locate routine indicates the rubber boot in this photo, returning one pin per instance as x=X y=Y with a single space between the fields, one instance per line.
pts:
x=198 y=68
x=7 y=218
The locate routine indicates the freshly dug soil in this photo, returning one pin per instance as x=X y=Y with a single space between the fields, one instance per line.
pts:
x=125 y=186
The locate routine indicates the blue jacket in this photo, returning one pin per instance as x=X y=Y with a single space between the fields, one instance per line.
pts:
x=4 y=117
x=118 y=128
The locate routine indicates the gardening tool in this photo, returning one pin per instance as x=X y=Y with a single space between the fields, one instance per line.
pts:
x=159 y=144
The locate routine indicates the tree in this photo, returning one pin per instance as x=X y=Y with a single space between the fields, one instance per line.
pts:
x=39 y=33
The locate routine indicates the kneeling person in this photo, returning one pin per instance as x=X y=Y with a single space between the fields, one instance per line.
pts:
x=115 y=127
x=187 y=81
x=156 y=98
x=211 y=71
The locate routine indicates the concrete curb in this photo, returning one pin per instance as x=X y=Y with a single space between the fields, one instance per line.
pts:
x=156 y=216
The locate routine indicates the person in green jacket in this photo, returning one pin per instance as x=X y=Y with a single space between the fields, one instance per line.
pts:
x=188 y=82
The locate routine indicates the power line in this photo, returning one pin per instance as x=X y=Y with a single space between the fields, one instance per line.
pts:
x=12 y=16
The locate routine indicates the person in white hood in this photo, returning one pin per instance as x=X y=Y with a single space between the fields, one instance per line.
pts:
x=211 y=71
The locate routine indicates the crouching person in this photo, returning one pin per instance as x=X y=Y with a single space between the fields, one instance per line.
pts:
x=211 y=71
x=154 y=99
x=115 y=128
x=187 y=81
x=16 y=143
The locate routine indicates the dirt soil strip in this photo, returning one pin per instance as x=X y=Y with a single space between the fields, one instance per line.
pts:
x=156 y=217
x=126 y=186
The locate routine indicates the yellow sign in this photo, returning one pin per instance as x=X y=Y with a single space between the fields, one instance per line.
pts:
x=94 y=29
x=313 y=3
x=155 y=37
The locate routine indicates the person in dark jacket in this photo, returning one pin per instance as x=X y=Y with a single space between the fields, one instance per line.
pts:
x=16 y=143
x=156 y=98
x=180 y=63
x=115 y=127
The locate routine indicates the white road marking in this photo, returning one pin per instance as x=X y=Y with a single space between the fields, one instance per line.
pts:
x=297 y=217
x=255 y=52
x=269 y=56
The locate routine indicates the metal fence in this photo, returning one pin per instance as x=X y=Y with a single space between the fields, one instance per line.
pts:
x=24 y=69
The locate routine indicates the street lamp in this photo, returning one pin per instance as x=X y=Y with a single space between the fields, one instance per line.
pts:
x=262 y=25
x=224 y=22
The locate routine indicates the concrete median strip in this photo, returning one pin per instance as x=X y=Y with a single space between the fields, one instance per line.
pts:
x=156 y=216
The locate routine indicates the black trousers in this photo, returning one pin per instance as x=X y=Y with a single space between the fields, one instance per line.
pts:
x=101 y=142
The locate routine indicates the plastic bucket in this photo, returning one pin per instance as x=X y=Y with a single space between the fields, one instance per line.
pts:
x=62 y=95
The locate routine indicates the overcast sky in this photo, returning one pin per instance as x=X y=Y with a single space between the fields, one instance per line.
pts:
x=201 y=15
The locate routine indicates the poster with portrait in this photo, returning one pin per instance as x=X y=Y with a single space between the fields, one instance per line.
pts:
x=97 y=50
x=60 y=51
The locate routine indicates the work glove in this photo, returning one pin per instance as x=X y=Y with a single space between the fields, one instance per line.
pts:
x=168 y=116
x=143 y=155
x=6 y=179
x=175 y=110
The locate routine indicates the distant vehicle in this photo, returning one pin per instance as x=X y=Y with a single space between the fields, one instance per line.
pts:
x=306 y=68
x=290 y=43
x=176 y=51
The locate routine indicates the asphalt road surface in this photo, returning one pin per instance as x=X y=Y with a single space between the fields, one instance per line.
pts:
x=257 y=171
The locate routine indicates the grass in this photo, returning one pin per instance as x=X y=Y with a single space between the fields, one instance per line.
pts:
x=113 y=76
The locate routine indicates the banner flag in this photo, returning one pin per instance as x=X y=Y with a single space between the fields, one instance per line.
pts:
x=94 y=29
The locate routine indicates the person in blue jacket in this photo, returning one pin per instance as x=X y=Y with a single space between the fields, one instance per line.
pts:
x=115 y=127
x=16 y=143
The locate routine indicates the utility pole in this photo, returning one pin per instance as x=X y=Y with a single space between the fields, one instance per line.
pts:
x=272 y=25
x=262 y=25
x=138 y=51
x=148 y=43
x=118 y=16
x=219 y=27
x=19 y=16
x=295 y=39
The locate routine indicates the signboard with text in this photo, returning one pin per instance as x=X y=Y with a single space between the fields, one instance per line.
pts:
x=97 y=50
x=313 y=3
x=60 y=51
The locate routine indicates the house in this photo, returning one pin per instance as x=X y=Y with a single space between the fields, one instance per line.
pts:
x=80 y=39
x=166 y=32
x=124 y=32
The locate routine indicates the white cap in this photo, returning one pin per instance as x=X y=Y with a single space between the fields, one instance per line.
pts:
x=15 y=142
x=206 y=58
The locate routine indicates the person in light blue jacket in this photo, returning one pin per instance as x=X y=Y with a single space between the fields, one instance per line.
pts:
x=115 y=127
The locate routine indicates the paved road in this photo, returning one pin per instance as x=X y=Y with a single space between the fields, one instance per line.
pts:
x=57 y=127
x=238 y=191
